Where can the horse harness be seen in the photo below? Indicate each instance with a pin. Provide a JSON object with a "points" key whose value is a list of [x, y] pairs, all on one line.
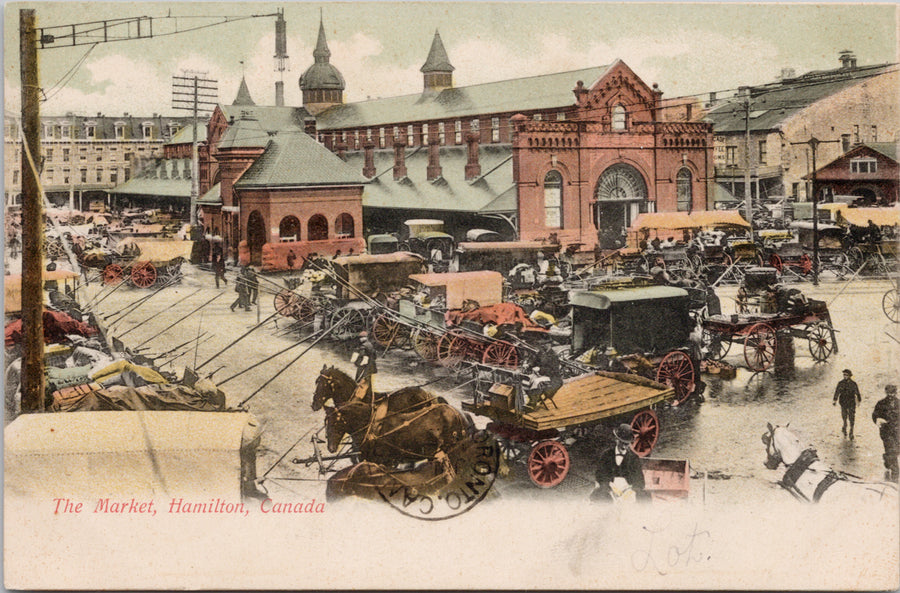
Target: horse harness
{"points": [[798, 468]]}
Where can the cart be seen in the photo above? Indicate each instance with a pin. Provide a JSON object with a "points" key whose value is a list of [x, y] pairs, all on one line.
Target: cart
{"points": [[890, 302], [145, 263], [833, 246], [872, 252]]}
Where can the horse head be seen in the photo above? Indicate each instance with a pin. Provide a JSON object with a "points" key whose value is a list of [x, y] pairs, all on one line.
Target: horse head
{"points": [[325, 385], [335, 428], [782, 446]]}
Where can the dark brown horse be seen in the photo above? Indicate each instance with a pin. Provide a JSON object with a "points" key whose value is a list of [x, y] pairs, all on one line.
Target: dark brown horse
{"points": [[368, 480], [333, 384], [400, 437]]}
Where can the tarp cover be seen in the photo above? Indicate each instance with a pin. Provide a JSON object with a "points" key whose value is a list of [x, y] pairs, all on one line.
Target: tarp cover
{"points": [[501, 314], [56, 326], [135, 375], [166, 397]]}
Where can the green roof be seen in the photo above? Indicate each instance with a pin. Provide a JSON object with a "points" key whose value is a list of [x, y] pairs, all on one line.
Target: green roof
{"points": [[254, 126], [772, 104], [888, 149], [213, 197], [548, 91], [295, 159], [494, 191], [167, 178], [437, 60], [186, 134], [243, 97]]}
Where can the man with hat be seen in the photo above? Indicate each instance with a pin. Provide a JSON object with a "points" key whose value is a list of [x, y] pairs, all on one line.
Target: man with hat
{"points": [[888, 411], [620, 464], [546, 362], [364, 358], [847, 393]]}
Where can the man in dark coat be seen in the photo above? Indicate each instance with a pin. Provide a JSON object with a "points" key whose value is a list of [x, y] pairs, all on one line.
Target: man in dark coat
{"points": [[547, 363], [365, 357], [619, 461], [847, 393], [888, 410]]}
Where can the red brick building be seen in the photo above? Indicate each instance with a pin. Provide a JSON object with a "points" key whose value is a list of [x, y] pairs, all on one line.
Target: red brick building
{"points": [[869, 171]]}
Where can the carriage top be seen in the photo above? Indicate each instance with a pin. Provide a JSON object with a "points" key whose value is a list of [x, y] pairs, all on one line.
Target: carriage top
{"points": [[484, 287]]}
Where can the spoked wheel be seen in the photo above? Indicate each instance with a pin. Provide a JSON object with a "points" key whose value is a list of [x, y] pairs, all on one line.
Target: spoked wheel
{"points": [[645, 426], [509, 449], [821, 342], [143, 275], [287, 303], [548, 464], [776, 262], [388, 331], [306, 309], [677, 371], [806, 264], [452, 349], [352, 322], [425, 344], [716, 348], [890, 303], [113, 274], [501, 354], [759, 347]]}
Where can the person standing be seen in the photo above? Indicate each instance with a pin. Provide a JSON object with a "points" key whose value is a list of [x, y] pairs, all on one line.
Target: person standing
{"points": [[847, 393], [240, 287], [620, 464], [219, 271], [291, 259], [365, 357], [888, 410], [252, 285]]}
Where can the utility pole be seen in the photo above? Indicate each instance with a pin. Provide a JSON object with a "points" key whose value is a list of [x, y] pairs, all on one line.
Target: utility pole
{"points": [[192, 92], [813, 144], [32, 221], [281, 56], [748, 202]]}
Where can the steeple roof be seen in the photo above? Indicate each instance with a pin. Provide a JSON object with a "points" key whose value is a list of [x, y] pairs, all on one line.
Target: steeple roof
{"points": [[243, 95], [437, 58], [322, 75], [322, 53]]}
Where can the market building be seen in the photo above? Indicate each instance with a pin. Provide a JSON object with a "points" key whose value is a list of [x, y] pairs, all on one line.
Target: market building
{"points": [[867, 172]]}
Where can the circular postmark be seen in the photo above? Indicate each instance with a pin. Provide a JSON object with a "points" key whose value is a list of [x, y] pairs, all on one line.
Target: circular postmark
{"points": [[468, 475]]}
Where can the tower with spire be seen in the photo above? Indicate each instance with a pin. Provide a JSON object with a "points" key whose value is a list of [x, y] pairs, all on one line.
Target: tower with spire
{"points": [[322, 85], [243, 95], [437, 68]]}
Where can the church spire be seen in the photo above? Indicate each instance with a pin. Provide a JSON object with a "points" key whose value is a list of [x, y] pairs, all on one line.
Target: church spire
{"points": [[437, 68], [243, 95], [321, 54], [322, 84]]}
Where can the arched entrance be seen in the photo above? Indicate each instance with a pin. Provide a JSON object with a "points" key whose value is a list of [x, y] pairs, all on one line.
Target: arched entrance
{"points": [[317, 228], [620, 192], [256, 237]]}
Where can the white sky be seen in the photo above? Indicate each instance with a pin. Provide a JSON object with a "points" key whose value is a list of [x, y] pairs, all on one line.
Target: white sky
{"points": [[380, 46]]}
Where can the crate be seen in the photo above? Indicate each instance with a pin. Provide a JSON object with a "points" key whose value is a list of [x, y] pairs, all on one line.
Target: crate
{"points": [[666, 479], [502, 396]]}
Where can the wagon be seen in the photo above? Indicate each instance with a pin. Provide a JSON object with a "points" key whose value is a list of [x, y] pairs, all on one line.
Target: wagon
{"points": [[890, 302], [833, 247], [149, 263], [538, 437], [871, 252]]}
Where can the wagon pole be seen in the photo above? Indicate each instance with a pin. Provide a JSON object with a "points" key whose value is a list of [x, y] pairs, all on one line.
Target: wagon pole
{"points": [[179, 346], [94, 300], [152, 316], [266, 359], [171, 325], [131, 308], [847, 283], [892, 337], [176, 357], [245, 334], [321, 336], [734, 262]]}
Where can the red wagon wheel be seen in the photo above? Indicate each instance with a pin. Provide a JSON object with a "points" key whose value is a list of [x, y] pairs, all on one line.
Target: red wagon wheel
{"points": [[306, 309], [388, 331], [677, 371], [452, 349], [425, 344], [548, 464], [645, 426], [287, 303], [805, 264], [113, 274], [501, 354], [776, 262], [759, 347], [143, 275], [821, 341]]}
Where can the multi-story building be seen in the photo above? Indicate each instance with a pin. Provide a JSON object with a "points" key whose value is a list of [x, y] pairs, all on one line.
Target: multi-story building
{"points": [[844, 107], [83, 157]]}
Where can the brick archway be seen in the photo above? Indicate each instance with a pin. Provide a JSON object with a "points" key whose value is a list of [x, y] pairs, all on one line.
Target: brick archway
{"points": [[620, 193], [256, 237]]}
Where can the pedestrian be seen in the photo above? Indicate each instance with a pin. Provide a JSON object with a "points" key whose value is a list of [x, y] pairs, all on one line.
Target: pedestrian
{"points": [[888, 410], [547, 363], [291, 259], [219, 271], [252, 285], [847, 393], [619, 470], [240, 287], [365, 357]]}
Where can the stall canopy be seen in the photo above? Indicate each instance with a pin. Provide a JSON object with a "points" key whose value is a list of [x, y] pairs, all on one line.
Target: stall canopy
{"points": [[862, 216], [662, 221], [716, 218], [484, 287], [12, 288]]}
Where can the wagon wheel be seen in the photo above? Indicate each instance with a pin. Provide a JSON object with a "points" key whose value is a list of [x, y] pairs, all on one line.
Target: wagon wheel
{"points": [[170, 272], [806, 264], [388, 331], [286, 302], [353, 321], [143, 275], [306, 309], [645, 426], [821, 341], [501, 354], [452, 349], [113, 274], [425, 344], [509, 449], [759, 346], [677, 371], [716, 348], [548, 464], [55, 248], [857, 257], [776, 262], [890, 303]]}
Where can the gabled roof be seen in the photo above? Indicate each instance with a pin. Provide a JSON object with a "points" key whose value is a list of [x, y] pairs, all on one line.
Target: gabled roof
{"points": [[213, 197], [548, 91], [186, 134], [166, 178], [888, 149], [772, 104], [295, 159], [254, 126], [243, 95], [437, 60]]}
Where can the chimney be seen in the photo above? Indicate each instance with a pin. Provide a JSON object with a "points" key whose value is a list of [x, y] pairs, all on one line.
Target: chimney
{"points": [[473, 167], [399, 159], [279, 93], [369, 167], [341, 149], [309, 126], [433, 170], [580, 92], [848, 60]]}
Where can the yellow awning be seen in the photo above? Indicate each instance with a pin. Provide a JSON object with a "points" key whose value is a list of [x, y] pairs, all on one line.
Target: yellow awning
{"points": [[716, 218], [862, 216], [120, 366], [662, 220]]}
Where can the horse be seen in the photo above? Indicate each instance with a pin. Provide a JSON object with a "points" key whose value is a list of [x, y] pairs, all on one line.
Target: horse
{"points": [[809, 479], [333, 384], [369, 480], [399, 437]]}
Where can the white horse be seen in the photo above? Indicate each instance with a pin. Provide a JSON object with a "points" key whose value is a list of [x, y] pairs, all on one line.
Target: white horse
{"points": [[811, 480]]}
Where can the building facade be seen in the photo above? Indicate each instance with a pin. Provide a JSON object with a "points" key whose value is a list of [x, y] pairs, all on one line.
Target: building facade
{"points": [[868, 171]]}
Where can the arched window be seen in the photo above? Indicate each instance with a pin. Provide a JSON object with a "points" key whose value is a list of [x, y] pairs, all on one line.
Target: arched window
{"points": [[553, 200], [685, 190], [618, 118], [343, 226], [317, 228], [289, 229]]}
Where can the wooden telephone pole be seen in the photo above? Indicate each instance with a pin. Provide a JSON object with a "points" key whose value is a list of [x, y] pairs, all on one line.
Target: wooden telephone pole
{"points": [[813, 144]]}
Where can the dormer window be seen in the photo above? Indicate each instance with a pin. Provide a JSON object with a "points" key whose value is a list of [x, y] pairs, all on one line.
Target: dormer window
{"points": [[65, 131], [863, 165], [90, 130], [147, 130], [618, 117], [120, 130]]}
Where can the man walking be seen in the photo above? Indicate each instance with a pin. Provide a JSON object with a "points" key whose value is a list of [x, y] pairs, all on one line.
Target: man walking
{"points": [[252, 285], [888, 410], [847, 393]]}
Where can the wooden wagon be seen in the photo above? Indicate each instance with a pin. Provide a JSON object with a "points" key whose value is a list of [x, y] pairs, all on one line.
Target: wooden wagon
{"points": [[145, 263]]}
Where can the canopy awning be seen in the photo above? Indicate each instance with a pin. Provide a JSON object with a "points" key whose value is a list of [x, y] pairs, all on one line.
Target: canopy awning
{"points": [[862, 216], [605, 299], [715, 218], [662, 220]]}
